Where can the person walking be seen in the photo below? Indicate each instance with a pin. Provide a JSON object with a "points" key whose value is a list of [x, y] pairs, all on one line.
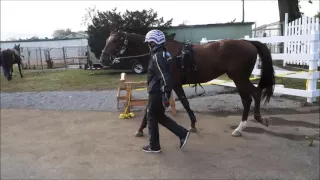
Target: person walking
{"points": [[159, 82]]}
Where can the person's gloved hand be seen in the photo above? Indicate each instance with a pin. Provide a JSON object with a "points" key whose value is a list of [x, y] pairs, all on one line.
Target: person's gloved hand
{"points": [[165, 97], [166, 100]]}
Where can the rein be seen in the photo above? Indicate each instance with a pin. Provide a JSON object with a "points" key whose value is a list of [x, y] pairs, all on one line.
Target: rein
{"points": [[117, 59], [128, 57]]}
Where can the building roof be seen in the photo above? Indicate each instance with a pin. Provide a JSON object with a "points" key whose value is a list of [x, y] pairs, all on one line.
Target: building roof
{"points": [[39, 40], [211, 25], [267, 25], [73, 34]]}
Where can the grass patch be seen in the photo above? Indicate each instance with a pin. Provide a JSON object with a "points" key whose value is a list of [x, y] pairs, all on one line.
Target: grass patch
{"points": [[65, 80], [82, 80]]}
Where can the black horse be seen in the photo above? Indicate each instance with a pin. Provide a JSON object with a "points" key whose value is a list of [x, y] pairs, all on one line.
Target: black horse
{"points": [[8, 58]]}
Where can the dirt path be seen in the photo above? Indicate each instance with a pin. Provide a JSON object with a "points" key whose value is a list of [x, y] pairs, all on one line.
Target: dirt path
{"points": [[43, 144]]}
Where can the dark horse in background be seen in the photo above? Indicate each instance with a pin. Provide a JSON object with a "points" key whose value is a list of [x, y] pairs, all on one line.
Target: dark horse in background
{"points": [[8, 58], [194, 64]]}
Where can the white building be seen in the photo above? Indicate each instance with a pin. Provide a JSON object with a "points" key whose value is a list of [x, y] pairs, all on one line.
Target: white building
{"points": [[267, 30], [35, 50]]}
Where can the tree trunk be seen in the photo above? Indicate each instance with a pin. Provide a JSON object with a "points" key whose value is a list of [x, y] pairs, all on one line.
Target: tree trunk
{"points": [[291, 7]]}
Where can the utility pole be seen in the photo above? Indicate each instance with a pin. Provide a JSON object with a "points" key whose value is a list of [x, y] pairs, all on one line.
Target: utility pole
{"points": [[243, 11]]}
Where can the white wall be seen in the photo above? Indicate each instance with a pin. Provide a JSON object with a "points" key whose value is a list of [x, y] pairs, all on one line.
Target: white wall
{"points": [[73, 48], [46, 44]]}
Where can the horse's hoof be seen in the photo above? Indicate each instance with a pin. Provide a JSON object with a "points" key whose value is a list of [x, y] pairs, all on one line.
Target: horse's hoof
{"points": [[192, 130], [264, 122], [261, 120], [138, 134], [236, 134]]}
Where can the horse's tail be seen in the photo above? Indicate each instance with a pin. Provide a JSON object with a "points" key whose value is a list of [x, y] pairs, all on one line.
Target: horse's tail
{"points": [[267, 80]]}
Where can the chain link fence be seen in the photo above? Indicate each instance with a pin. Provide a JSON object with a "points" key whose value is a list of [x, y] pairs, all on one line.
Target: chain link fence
{"points": [[53, 58]]}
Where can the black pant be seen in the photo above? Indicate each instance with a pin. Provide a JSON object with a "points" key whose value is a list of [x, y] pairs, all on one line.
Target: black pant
{"points": [[155, 115]]}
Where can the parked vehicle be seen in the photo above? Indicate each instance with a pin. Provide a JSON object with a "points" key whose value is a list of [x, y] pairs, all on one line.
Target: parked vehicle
{"points": [[138, 66]]}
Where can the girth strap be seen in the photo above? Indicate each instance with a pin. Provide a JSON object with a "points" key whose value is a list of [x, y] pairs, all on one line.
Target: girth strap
{"points": [[196, 84]]}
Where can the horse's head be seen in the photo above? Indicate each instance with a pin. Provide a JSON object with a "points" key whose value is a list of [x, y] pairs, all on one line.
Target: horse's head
{"points": [[17, 48], [115, 46]]}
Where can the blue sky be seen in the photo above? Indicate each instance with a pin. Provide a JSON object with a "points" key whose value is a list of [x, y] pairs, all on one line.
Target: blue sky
{"points": [[41, 18]]}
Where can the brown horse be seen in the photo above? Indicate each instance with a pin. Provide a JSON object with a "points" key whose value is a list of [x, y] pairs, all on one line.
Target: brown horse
{"points": [[8, 57], [194, 64]]}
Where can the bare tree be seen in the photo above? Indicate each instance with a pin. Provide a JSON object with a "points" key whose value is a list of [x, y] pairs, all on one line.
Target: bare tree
{"points": [[184, 23], [87, 19]]}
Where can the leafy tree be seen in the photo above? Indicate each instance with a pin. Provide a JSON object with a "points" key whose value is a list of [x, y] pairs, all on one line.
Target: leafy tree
{"points": [[34, 38], [103, 23], [87, 19], [59, 33]]}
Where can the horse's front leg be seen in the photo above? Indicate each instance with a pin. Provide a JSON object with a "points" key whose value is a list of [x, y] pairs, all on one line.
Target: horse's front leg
{"points": [[10, 73], [143, 125], [185, 103], [19, 66]]}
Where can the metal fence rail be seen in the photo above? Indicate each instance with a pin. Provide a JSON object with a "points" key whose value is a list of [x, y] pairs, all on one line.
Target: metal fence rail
{"points": [[50, 58]]}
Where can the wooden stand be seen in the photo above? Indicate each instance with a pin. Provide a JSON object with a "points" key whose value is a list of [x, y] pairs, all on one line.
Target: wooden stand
{"points": [[128, 99]]}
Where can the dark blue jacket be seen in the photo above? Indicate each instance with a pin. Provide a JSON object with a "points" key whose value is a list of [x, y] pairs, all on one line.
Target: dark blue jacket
{"points": [[159, 71]]}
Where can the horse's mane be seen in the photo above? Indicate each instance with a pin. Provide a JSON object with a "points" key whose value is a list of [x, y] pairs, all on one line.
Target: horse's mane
{"points": [[140, 36]]}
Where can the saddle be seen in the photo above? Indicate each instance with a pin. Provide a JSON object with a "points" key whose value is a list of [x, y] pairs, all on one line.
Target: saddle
{"points": [[188, 66]]}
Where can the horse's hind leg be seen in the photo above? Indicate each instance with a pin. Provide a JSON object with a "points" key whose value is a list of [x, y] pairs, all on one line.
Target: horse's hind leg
{"points": [[178, 89], [245, 94], [257, 100], [143, 125], [256, 95], [19, 66], [10, 72]]}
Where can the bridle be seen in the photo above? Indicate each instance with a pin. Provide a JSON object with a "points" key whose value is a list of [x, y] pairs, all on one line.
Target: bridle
{"points": [[123, 47], [122, 50], [18, 52]]}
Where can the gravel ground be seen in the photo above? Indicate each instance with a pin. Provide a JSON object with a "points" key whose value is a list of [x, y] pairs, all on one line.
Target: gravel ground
{"points": [[44, 144], [216, 99]]}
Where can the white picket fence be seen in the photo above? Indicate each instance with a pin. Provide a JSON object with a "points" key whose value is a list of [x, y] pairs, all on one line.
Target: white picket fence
{"points": [[302, 26], [310, 56]]}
